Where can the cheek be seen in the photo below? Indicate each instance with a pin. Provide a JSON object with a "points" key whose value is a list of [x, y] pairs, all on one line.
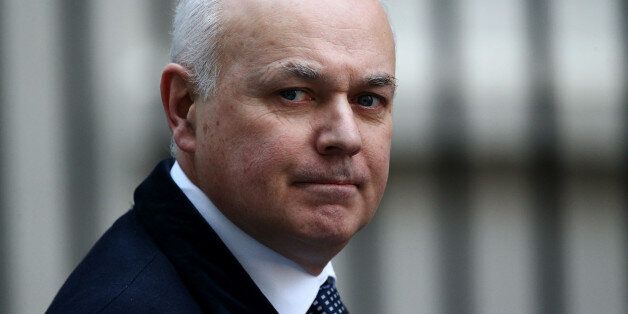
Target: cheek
{"points": [[377, 140], [378, 165], [377, 154], [256, 160], [264, 157]]}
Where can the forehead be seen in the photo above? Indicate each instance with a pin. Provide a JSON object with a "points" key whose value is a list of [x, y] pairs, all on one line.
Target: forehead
{"points": [[348, 35]]}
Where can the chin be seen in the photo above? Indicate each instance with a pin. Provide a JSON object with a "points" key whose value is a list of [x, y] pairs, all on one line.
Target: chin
{"points": [[332, 226]]}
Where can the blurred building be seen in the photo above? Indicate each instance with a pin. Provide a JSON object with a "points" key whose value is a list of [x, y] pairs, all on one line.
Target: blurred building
{"points": [[507, 192]]}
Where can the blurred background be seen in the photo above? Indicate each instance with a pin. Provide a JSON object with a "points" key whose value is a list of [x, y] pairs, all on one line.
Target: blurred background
{"points": [[507, 192]]}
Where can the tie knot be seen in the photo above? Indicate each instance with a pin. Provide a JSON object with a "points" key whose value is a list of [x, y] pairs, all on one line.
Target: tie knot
{"points": [[327, 300]]}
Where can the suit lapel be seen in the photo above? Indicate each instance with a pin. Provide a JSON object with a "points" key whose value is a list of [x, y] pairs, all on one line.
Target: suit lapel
{"points": [[208, 269]]}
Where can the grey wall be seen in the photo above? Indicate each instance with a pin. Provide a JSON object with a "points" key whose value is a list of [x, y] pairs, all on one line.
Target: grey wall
{"points": [[508, 183]]}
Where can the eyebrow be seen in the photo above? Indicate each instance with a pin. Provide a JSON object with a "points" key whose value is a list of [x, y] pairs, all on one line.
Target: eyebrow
{"points": [[312, 72], [381, 80], [301, 70], [295, 69]]}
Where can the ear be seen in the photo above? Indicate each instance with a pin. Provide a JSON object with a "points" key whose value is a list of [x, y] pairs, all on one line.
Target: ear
{"points": [[178, 102]]}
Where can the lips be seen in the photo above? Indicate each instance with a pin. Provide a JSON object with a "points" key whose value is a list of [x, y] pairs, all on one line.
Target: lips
{"points": [[332, 182], [339, 175], [328, 192], [336, 188]]}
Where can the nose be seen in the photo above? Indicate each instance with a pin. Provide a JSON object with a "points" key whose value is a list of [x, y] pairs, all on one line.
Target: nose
{"points": [[338, 132]]}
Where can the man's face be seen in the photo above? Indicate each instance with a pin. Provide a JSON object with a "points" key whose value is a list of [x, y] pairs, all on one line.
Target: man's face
{"points": [[294, 146]]}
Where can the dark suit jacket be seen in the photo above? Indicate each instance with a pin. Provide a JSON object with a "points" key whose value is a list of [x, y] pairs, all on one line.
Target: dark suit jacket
{"points": [[160, 257]]}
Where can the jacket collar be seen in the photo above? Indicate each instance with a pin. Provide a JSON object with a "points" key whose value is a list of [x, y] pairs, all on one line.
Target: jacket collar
{"points": [[207, 268]]}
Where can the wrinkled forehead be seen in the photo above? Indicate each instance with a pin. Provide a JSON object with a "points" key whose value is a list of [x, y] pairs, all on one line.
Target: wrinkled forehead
{"points": [[256, 28], [297, 5], [328, 9], [309, 18]]}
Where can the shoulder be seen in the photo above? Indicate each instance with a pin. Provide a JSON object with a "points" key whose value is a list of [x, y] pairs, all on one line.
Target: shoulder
{"points": [[124, 271]]}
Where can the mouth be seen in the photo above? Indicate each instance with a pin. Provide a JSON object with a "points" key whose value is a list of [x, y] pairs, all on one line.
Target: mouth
{"points": [[338, 178], [335, 185], [329, 191], [328, 182]]}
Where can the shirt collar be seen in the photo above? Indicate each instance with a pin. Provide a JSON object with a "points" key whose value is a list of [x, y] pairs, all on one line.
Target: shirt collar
{"points": [[288, 287]]}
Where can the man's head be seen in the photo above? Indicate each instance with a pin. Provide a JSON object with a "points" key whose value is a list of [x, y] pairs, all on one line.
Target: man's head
{"points": [[291, 141]]}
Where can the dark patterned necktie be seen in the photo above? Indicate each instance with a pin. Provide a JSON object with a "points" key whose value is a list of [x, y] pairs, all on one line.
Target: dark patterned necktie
{"points": [[327, 300]]}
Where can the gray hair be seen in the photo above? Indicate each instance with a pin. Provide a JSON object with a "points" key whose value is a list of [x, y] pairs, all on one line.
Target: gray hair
{"points": [[195, 31]]}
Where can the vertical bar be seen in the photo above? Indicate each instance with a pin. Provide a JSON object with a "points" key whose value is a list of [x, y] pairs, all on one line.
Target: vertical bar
{"points": [[545, 167], [623, 16], [80, 130], [364, 260], [162, 12], [160, 21], [451, 164], [4, 245]]}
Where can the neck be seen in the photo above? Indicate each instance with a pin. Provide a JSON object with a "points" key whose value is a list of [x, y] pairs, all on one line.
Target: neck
{"points": [[310, 258]]}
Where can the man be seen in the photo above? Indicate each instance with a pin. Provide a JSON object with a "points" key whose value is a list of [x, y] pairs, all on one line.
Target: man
{"points": [[280, 111]]}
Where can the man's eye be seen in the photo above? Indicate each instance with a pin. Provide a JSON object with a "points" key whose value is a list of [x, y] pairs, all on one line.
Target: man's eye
{"points": [[368, 101], [294, 95]]}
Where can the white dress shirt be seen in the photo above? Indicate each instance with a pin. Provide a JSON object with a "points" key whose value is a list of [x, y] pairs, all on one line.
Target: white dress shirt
{"points": [[288, 287]]}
